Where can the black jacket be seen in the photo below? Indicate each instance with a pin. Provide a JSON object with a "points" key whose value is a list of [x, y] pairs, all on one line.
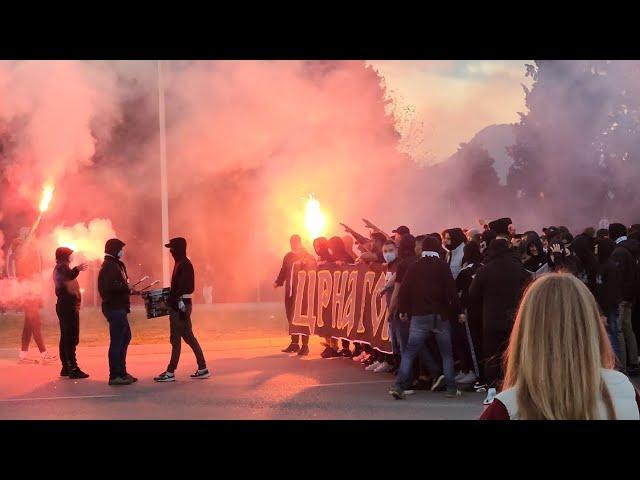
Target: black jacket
{"points": [[624, 258], [499, 285], [113, 286], [61, 275], [182, 280], [428, 288]]}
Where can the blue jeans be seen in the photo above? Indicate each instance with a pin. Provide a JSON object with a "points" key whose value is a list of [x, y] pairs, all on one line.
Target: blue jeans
{"points": [[120, 336], [614, 331], [399, 335], [421, 328]]}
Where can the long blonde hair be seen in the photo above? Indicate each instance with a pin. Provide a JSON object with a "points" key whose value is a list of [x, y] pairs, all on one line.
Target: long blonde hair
{"points": [[557, 349]]}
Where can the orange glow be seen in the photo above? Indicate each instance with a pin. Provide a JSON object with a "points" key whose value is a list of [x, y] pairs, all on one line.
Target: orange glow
{"points": [[45, 199], [314, 219]]}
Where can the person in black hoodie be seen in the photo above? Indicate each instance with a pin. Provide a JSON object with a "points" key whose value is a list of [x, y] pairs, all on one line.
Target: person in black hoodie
{"points": [[296, 255], [498, 285], [534, 256], [180, 305], [428, 295], [68, 311], [625, 259], [113, 285], [453, 240]]}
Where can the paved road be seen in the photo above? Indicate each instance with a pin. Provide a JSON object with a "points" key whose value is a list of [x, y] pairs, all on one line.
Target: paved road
{"points": [[252, 380]]}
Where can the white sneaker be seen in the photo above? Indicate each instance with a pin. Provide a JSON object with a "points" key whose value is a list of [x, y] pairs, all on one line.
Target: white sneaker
{"points": [[373, 366], [491, 394], [467, 379], [47, 359], [384, 367], [409, 392]]}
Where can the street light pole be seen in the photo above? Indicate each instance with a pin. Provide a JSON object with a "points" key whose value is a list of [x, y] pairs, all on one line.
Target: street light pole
{"points": [[166, 278]]}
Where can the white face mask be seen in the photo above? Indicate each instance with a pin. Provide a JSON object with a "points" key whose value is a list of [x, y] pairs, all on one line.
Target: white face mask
{"points": [[389, 256], [121, 253]]}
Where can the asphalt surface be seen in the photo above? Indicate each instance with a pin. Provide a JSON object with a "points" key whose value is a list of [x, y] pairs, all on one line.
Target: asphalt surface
{"points": [[251, 380]]}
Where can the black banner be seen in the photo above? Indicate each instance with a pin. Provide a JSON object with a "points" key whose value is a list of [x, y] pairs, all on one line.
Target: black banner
{"points": [[339, 301]]}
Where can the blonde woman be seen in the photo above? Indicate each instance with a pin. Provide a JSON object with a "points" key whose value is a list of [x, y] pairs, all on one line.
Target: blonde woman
{"points": [[559, 363]]}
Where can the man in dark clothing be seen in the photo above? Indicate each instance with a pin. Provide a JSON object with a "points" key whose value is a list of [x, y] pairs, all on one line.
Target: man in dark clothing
{"points": [[113, 285], [498, 285], [68, 311], [297, 254], [182, 287], [428, 294], [625, 259]]}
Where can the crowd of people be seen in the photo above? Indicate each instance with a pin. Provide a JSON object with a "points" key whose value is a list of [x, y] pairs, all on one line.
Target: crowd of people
{"points": [[453, 299]]}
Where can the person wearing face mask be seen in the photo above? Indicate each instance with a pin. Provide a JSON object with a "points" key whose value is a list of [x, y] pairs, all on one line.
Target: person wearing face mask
{"points": [[453, 240], [182, 287], [297, 254], [68, 311], [113, 285]]}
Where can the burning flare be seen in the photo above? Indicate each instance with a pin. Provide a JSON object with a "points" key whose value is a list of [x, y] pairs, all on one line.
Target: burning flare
{"points": [[47, 195], [313, 218]]}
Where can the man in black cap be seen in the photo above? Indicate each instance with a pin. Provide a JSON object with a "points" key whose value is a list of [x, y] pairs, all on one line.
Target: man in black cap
{"points": [[182, 287], [68, 310], [113, 285]]}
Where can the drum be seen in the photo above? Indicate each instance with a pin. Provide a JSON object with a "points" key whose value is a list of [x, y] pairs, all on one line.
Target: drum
{"points": [[155, 302]]}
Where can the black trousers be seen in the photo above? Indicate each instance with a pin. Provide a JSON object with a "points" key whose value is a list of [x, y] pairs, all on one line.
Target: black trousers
{"points": [[494, 344], [181, 329], [69, 319]]}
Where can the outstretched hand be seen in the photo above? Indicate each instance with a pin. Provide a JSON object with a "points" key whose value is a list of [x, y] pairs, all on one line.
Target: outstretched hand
{"points": [[82, 267]]}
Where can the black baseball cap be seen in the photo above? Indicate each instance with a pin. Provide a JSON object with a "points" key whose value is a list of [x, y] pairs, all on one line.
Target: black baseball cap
{"points": [[177, 243], [401, 230]]}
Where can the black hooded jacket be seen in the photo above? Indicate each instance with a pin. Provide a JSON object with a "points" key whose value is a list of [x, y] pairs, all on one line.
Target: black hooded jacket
{"points": [[182, 278], [533, 264], [607, 288], [499, 285], [113, 279], [625, 260]]}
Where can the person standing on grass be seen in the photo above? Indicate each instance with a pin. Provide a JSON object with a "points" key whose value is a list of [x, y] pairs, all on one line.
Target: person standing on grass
{"points": [[180, 306], [559, 363], [113, 285], [68, 311]]}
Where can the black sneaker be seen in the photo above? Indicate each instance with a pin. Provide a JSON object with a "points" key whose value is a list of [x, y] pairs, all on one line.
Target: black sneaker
{"points": [[204, 373], [120, 381], [64, 372], [304, 350], [329, 352], [77, 373], [165, 377], [345, 352], [130, 377], [292, 348], [396, 393]]}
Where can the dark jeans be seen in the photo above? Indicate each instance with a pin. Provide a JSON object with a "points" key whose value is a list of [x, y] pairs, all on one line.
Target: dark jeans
{"points": [[494, 344], [295, 338], [421, 328], [180, 327], [399, 335], [32, 327], [120, 336], [614, 332], [69, 318]]}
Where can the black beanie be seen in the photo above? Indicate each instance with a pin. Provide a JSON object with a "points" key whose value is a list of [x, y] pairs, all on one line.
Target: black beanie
{"points": [[617, 230], [63, 254], [501, 226], [431, 244], [113, 246]]}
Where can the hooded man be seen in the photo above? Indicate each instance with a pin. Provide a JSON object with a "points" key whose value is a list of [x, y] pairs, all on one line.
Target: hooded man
{"points": [[453, 240], [24, 263], [68, 311], [113, 285], [298, 254], [180, 305], [625, 260], [535, 258], [503, 227], [498, 285]]}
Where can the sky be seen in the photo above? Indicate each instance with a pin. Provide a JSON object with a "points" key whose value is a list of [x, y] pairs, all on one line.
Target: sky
{"points": [[445, 102]]}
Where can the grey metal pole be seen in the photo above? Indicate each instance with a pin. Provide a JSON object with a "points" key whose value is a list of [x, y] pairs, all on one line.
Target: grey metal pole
{"points": [[166, 277]]}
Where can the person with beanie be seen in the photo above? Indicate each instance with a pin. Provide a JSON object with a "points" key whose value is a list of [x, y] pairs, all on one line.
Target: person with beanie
{"points": [[68, 311], [113, 285], [180, 306]]}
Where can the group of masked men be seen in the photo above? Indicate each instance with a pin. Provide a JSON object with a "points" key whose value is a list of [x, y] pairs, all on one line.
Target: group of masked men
{"points": [[115, 291], [452, 296]]}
